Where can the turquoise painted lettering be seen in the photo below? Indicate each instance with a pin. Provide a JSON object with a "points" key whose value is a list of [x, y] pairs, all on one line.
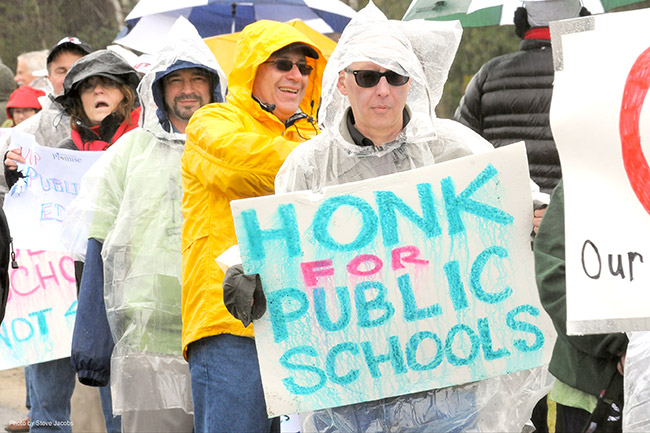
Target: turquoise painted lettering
{"points": [[486, 341], [294, 360], [45, 184], [323, 217], [411, 310], [285, 305], [474, 341], [330, 364], [456, 288], [518, 325], [344, 308], [4, 335], [27, 329], [394, 356], [379, 303], [477, 270], [412, 351], [389, 204], [72, 310], [41, 320], [455, 205], [57, 184], [30, 175], [52, 212], [288, 232]]}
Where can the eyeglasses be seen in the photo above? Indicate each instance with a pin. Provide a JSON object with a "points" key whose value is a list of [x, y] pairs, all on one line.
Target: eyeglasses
{"points": [[367, 78], [287, 65], [96, 80]]}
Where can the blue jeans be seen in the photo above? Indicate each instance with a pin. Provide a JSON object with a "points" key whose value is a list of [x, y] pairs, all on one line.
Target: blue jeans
{"points": [[227, 387], [51, 386], [113, 422]]}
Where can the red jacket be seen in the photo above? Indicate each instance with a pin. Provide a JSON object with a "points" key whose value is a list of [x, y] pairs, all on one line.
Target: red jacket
{"points": [[102, 140]]}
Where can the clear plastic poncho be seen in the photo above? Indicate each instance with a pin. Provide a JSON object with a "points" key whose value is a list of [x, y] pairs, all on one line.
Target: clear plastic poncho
{"points": [[131, 201], [636, 410], [424, 50]]}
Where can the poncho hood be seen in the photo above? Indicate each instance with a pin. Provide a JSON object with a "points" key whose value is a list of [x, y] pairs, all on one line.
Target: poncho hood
{"points": [[258, 41], [183, 49]]}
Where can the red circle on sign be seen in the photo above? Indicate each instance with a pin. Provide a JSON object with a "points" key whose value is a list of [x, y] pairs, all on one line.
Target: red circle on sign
{"points": [[636, 165]]}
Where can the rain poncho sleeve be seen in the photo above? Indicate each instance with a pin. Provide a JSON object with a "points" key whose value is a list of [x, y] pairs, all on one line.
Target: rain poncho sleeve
{"points": [[92, 342], [636, 412], [136, 214], [424, 51]]}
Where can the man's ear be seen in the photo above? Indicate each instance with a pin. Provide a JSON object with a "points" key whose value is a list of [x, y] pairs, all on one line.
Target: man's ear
{"points": [[340, 84]]}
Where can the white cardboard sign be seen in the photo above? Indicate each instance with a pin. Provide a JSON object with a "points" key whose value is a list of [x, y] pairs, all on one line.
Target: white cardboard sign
{"points": [[394, 285], [602, 132]]}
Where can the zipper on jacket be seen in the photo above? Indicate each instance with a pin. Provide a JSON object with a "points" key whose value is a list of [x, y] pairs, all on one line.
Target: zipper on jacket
{"points": [[14, 263]]}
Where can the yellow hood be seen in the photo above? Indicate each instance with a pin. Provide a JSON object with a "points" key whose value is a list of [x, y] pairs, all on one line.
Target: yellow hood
{"points": [[256, 44]]}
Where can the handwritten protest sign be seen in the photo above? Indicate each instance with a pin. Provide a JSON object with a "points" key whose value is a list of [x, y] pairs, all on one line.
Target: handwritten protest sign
{"points": [[36, 210], [42, 300], [601, 131], [40, 310], [393, 285]]}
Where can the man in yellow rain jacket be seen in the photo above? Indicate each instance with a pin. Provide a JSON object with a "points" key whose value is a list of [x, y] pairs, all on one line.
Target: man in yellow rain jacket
{"points": [[233, 151]]}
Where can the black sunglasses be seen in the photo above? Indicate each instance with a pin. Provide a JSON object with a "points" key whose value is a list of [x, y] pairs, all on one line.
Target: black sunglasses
{"points": [[367, 78], [287, 65]]}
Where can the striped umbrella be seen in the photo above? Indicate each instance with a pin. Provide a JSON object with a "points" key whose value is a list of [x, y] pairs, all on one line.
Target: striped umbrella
{"points": [[150, 20], [479, 13]]}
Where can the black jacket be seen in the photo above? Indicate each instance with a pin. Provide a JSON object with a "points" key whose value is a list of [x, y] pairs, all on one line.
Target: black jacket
{"points": [[5, 241], [509, 99]]}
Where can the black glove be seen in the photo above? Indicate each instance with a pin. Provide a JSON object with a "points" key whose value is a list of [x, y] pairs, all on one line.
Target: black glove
{"points": [[243, 295], [11, 176]]}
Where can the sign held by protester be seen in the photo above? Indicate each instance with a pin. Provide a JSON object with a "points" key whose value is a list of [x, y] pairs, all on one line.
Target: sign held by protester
{"points": [[41, 309], [35, 206], [397, 284], [600, 128]]}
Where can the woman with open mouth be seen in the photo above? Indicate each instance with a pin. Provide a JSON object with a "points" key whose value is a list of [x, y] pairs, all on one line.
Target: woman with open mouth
{"points": [[99, 93]]}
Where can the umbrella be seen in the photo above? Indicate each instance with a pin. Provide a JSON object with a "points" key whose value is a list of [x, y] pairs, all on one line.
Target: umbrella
{"points": [[223, 46], [150, 20], [478, 13]]}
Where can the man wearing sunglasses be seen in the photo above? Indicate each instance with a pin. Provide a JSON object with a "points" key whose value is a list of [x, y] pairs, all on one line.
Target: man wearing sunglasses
{"points": [[233, 151], [378, 118]]}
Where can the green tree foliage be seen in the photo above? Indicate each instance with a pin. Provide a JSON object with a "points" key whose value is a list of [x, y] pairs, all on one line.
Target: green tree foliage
{"points": [[477, 46], [29, 25]]}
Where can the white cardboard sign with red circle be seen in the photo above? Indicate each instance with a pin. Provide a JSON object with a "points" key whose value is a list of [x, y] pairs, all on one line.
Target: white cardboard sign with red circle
{"points": [[602, 130]]}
